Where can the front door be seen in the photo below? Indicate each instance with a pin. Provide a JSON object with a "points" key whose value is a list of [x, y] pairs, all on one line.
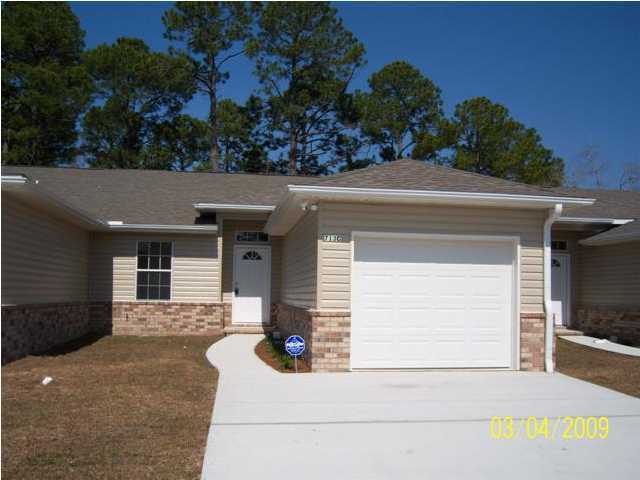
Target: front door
{"points": [[560, 288], [251, 284]]}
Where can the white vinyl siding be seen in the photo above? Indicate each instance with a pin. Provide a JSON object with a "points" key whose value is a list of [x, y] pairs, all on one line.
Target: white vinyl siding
{"points": [[195, 269], [299, 263], [605, 275], [341, 219], [609, 275], [44, 260]]}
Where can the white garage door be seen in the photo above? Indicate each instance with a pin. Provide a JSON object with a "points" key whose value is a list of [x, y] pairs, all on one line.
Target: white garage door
{"points": [[425, 303]]}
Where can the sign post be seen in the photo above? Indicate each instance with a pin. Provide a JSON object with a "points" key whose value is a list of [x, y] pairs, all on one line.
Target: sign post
{"points": [[294, 346]]}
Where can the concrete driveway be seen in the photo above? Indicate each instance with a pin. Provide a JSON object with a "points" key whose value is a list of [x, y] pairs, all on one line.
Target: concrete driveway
{"points": [[422, 425]]}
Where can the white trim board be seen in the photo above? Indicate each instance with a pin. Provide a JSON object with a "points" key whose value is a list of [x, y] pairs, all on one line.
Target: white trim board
{"points": [[613, 221], [230, 207], [141, 228], [442, 194]]}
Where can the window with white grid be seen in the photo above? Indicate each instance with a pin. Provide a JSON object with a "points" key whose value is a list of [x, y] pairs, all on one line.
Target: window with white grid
{"points": [[153, 281]]}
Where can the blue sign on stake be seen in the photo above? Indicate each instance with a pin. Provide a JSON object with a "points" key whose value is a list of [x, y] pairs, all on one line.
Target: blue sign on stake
{"points": [[294, 345]]}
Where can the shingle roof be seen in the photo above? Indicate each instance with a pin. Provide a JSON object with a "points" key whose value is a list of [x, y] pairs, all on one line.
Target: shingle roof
{"points": [[609, 203], [167, 198], [154, 196], [625, 233], [411, 174]]}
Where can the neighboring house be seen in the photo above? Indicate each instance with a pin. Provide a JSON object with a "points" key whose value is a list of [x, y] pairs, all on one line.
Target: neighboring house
{"points": [[402, 265], [596, 265]]}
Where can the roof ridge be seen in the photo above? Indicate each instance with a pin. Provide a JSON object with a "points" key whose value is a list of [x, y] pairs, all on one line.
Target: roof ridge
{"points": [[102, 169], [482, 175], [434, 166]]}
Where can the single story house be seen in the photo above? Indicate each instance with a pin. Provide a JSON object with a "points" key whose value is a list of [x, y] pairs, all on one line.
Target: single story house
{"points": [[401, 265]]}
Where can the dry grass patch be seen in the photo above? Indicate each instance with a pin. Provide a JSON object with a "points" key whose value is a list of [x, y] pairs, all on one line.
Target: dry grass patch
{"points": [[608, 369], [120, 407]]}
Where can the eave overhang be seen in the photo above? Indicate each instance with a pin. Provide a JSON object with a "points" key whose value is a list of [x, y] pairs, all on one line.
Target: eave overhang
{"points": [[232, 208], [612, 237], [595, 220], [298, 197], [115, 226], [26, 189]]}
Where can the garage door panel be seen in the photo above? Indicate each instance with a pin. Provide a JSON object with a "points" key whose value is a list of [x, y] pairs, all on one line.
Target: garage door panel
{"points": [[441, 304]]}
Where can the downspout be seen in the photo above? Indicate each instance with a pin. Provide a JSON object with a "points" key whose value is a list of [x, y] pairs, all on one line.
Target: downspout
{"points": [[554, 214]]}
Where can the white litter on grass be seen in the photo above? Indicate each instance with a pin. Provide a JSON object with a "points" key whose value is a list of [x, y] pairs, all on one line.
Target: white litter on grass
{"points": [[601, 340], [47, 380]]}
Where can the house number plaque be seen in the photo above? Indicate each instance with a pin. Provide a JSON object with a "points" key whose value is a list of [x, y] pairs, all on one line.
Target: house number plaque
{"points": [[332, 237]]}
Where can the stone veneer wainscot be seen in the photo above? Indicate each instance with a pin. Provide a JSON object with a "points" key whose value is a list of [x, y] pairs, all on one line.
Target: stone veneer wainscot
{"points": [[327, 334], [328, 337]]}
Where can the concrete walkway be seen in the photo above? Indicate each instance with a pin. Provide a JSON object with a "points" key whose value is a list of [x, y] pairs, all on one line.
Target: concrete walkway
{"points": [[372, 425], [603, 345]]}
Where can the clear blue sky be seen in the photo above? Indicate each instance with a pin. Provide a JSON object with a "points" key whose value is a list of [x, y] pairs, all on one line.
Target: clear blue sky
{"points": [[571, 70]]}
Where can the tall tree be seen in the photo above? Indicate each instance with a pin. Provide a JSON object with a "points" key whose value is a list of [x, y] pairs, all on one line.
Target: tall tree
{"points": [[136, 90], [402, 113], [213, 33], [305, 60], [235, 133], [346, 153], [589, 167], [180, 143], [44, 86], [630, 176], [491, 142], [244, 139]]}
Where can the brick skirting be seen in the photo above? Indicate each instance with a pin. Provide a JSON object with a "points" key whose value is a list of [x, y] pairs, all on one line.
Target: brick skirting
{"points": [[296, 321], [620, 322], [326, 333], [328, 337], [331, 340], [532, 326], [32, 329], [158, 318]]}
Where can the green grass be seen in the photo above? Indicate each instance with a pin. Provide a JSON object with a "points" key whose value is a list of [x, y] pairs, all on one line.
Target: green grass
{"points": [[276, 348]]}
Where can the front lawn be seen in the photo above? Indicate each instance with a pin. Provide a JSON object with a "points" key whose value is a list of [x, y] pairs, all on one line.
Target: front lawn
{"points": [[612, 370], [120, 407]]}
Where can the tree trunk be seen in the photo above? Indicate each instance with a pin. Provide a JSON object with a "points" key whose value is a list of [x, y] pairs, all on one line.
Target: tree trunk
{"points": [[293, 153], [214, 153], [399, 147]]}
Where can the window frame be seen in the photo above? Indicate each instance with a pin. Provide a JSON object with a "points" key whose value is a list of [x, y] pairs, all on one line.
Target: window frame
{"points": [[558, 243], [252, 242], [170, 270]]}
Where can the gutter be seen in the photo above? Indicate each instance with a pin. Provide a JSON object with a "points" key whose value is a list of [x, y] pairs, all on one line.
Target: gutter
{"points": [[554, 215], [437, 194], [230, 207], [141, 227], [14, 179], [612, 221]]}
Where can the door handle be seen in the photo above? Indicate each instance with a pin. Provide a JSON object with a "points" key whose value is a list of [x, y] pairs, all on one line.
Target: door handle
{"points": [[236, 290]]}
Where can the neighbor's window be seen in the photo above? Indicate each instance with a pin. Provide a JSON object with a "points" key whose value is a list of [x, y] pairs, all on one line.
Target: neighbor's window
{"points": [[251, 237], [154, 271]]}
